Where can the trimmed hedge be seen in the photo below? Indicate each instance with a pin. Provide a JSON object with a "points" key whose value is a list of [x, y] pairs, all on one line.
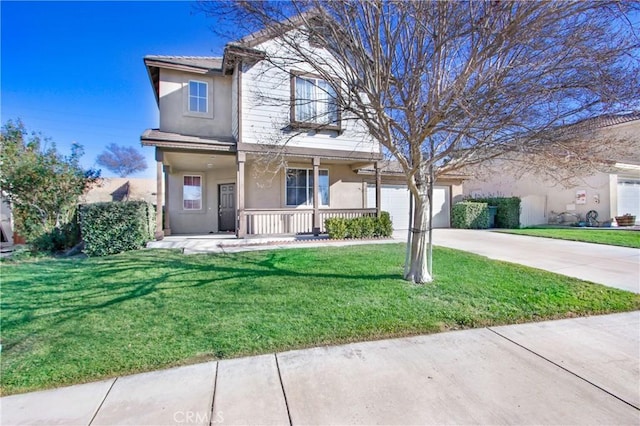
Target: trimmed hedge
{"points": [[508, 214], [360, 227], [114, 227], [470, 215]]}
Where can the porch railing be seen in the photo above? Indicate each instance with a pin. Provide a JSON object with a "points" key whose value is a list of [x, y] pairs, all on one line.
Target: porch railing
{"points": [[292, 221]]}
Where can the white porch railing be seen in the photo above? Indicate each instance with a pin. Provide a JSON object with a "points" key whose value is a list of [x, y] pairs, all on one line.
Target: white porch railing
{"points": [[293, 221]]}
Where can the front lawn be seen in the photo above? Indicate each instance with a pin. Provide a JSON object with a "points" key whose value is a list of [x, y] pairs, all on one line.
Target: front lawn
{"points": [[623, 238], [71, 321]]}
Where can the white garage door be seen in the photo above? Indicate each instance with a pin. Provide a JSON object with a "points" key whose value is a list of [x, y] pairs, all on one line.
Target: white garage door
{"points": [[395, 200], [628, 197]]}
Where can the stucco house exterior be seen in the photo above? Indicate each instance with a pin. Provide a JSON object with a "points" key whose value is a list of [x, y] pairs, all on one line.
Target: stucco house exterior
{"points": [[250, 147], [610, 194]]}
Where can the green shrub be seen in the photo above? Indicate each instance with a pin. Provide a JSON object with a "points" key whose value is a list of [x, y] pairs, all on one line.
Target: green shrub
{"points": [[353, 228], [336, 228], [58, 239], [470, 215], [361, 227], [508, 214], [114, 227], [383, 225], [367, 226]]}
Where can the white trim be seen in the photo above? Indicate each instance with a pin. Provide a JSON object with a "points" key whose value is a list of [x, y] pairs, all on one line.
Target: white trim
{"points": [[201, 193], [316, 101], [186, 88], [309, 202], [625, 166]]}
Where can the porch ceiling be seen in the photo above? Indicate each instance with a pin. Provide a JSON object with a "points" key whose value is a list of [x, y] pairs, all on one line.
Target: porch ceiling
{"points": [[300, 159], [198, 162]]}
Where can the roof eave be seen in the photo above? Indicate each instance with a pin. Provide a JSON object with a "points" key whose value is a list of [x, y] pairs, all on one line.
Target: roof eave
{"points": [[151, 70], [234, 53], [181, 67]]}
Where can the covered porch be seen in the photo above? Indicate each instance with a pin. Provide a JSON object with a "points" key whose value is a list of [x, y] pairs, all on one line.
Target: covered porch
{"points": [[299, 195], [230, 193]]}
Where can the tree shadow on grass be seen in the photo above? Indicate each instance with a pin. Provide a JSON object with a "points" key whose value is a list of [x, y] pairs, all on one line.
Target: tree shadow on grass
{"points": [[63, 291]]}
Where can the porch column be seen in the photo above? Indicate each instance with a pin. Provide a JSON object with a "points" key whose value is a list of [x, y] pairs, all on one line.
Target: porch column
{"points": [[159, 234], [167, 218], [241, 228], [316, 201], [378, 189]]}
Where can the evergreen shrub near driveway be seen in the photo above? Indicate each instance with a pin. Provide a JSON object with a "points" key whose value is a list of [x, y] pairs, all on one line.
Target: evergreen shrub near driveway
{"points": [[508, 214], [340, 228], [470, 215], [115, 227]]}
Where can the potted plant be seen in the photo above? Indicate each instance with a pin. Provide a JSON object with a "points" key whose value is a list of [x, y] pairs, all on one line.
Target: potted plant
{"points": [[626, 220]]}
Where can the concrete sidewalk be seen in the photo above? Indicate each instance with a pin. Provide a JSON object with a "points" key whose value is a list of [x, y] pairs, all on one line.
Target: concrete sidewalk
{"points": [[576, 371]]}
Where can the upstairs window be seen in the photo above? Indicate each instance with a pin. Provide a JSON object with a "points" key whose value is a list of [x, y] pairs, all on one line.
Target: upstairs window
{"points": [[198, 99], [192, 193], [313, 102], [300, 187]]}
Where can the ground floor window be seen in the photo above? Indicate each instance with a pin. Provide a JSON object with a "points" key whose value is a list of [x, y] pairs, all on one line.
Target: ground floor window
{"points": [[192, 193], [300, 187]]}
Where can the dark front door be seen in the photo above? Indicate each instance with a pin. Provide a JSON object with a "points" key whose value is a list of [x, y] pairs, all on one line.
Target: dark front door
{"points": [[227, 207]]}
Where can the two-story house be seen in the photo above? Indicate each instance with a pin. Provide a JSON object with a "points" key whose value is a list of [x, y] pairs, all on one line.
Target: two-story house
{"points": [[252, 147]]}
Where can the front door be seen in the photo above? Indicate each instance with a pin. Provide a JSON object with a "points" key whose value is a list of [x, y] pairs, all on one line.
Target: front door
{"points": [[227, 207]]}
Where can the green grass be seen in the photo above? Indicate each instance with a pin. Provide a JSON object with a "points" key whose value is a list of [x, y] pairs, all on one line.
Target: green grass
{"points": [[77, 320], [623, 238]]}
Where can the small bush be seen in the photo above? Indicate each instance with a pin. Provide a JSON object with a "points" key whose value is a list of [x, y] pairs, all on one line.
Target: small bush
{"points": [[58, 239], [470, 215], [384, 227], [336, 228], [353, 228], [361, 227], [110, 228], [508, 214], [367, 226]]}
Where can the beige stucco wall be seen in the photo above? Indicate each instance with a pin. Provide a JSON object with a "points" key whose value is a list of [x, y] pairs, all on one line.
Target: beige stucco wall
{"points": [[200, 221], [546, 195], [174, 114], [556, 197], [267, 189]]}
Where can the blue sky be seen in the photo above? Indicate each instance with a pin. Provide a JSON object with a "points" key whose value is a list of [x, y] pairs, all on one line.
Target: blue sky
{"points": [[74, 70]]}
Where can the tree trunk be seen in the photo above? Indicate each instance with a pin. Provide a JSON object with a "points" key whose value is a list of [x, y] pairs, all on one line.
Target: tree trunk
{"points": [[418, 271]]}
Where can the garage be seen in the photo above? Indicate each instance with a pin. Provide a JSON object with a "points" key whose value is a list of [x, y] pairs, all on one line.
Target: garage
{"points": [[628, 197], [395, 200]]}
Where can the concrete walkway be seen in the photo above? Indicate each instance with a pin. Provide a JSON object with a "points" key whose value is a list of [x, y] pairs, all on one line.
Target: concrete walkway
{"points": [[613, 266], [576, 371]]}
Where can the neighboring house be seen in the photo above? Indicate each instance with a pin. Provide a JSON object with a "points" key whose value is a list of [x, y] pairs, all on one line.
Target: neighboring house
{"points": [[248, 147], [122, 189], [107, 189], [609, 194], [6, 224]]}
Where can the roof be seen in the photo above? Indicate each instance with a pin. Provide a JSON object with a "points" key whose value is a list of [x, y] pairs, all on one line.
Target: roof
{"points": [[393, 168], [607, 120], [275, 29], [198, 63], [194, 64], [157, 138]]}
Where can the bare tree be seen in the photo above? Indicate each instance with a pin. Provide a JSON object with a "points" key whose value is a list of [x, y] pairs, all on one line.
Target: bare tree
{"points": [[122, 160], [448, 85]]}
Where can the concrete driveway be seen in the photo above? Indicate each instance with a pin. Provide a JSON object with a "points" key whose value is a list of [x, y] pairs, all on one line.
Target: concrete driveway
{"points": [[617, 267], [576, 371]]}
